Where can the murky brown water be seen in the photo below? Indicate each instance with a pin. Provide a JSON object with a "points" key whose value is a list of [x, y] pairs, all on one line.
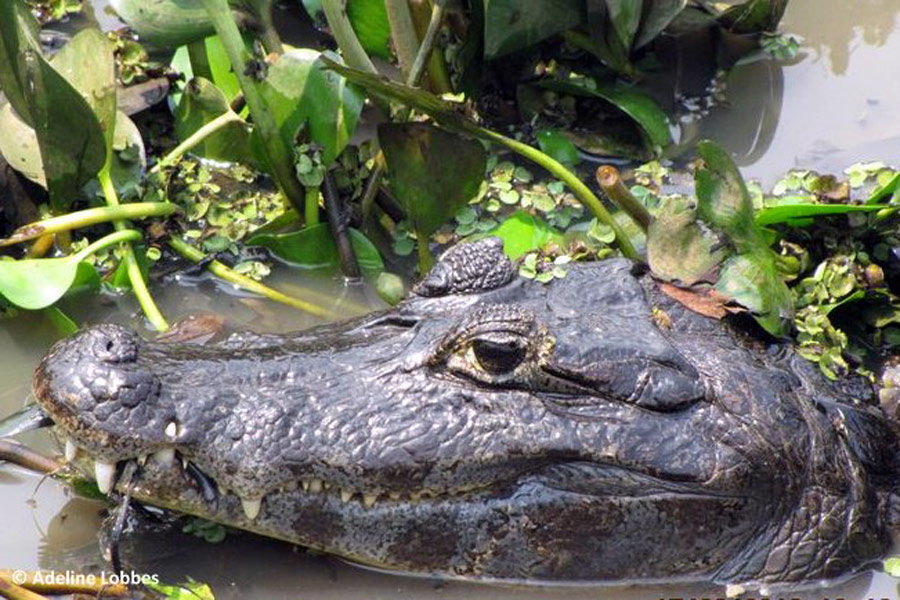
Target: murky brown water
{"points": [[837, 105]]}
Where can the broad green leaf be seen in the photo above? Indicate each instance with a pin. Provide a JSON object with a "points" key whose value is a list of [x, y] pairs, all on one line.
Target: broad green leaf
{"points": [[432, 172], [192, 590], [217, 64], [723, 201], [302, 93], [788, 212], [70, 137], [641, 108], [314, 248], [511, 25], [200, 103], [624, 17], [522, 232], [885, 191], [165, 23], [754, 16], [19, 146], [18, 33], [753, 281], [39, 282], [657, 15], [86, 62], [679, 248], [554, 143], [370, 22]]}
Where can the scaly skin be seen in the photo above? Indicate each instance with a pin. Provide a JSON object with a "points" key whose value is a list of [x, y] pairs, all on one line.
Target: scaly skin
{"points": [[493, 427]]}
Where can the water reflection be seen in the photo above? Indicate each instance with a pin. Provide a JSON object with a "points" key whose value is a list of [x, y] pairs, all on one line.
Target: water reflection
{"points": [[836, 28]]}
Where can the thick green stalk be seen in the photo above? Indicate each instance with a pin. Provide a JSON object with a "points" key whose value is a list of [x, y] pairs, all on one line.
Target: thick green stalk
{"points": [[90, 216], [581, 191], [195, 138], [138, 284], [311, 206], [123, 235], [423, 251], [279, 154], [437, 74], [611, 183], [354, 54], [223, 272], [403, 32]]}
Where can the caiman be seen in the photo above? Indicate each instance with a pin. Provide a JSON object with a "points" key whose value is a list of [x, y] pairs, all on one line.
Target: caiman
{"points": [[491, 427]]}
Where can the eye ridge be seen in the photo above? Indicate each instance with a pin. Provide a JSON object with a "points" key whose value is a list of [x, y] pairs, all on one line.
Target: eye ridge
{"points": [[498, 356]]}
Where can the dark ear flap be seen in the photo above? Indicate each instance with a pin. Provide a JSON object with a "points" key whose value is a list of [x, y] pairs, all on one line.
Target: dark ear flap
{"points": [[468, 268]]}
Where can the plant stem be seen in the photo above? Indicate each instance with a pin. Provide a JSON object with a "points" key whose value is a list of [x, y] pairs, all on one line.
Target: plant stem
{"points": [[611, 183], [103, 588], [352, 51], [279, 154], [426, 53], [337, 222], [90, 216], [581, 191], [423, 251], [19, 454], [195, 138], [123, 235], [403, 31], [13, 592], [223, 272], [138, 284], [199, 59], [311, 206]]}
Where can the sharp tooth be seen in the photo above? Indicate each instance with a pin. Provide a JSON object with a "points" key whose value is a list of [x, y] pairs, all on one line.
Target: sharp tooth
{"points": [[369, 499], [315, 485], [71, 451], [415, 496], [346, 495], [326, 485], [251, 507], [394, 495], [142, 459], [172, 429], [164, 457], [304, 483], [104, 472]]}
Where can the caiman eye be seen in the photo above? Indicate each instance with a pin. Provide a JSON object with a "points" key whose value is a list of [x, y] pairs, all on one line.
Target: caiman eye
{"points": [[498, 356]]}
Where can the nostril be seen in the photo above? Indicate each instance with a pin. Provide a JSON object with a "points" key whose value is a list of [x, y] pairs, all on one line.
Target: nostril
{"points": [[114, 344]]}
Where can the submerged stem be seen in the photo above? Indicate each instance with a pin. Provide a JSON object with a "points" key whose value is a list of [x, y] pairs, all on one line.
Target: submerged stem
{"points": [[223, 272]]}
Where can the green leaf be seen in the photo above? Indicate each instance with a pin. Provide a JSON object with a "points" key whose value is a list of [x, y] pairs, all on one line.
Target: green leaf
{"points": [[314, 248], [723, 201], [432, 172], [301, 92], [753, 16], [165, 23], [657, 16], [39, 282], [641, 108], [554, 143], [511, 25], [885, 191], [200, 103], [788, 212], [216, 63], [18, 33], [624, 17], [522, 233], [892, 566], [678, 248], [19, 146], [753, 281], [192, 590], [370, 23]]}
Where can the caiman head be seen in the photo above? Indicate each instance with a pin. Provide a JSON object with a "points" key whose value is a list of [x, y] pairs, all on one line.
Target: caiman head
{"points": [[586, 430]]}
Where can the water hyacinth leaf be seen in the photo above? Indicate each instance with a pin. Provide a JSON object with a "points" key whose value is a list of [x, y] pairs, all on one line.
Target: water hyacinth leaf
{"points": [[300, 91], [680, 249], [70, 137], [555, 143], [370, 23], [432, 172], [511, 25], [129, 158], [39, 282], [87, 63], [522, 233], [215, 62], [314, 248], [19, 146], [18, 33], [784, 213], [201, 102], [657, 15], [165, 23], [723, 201], [641, 108], [752, 280], [753, 16], [624, 17]]}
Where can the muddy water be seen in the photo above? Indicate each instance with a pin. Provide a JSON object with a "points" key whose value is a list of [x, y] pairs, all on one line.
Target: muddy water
{"points": [[838, 104]]}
